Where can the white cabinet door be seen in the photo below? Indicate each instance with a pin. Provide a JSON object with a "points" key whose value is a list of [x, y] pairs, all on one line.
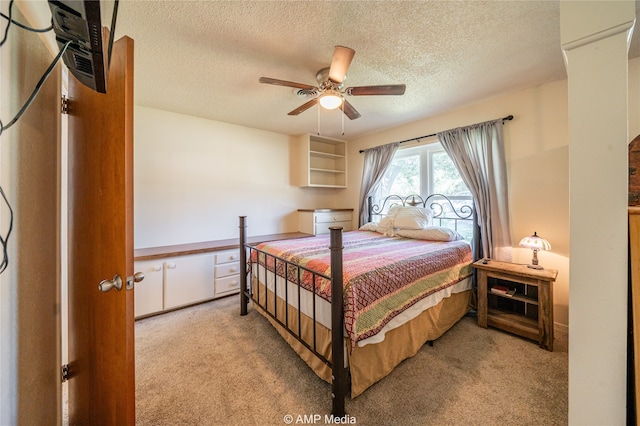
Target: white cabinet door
{"points": [[148, 292], [188, 279]]}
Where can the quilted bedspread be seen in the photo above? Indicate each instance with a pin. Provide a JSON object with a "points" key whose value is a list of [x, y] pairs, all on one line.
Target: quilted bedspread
{"points": [[382, 275]]}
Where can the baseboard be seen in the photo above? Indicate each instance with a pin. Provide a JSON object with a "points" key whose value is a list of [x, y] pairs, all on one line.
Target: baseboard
{"points": [[560, 337]]}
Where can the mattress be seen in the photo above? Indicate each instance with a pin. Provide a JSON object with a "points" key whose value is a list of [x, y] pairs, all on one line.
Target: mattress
{"points": [[387, 280], [323, 307]]}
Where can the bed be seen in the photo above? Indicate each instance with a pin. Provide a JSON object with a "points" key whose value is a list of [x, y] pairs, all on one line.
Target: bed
{"points": [[354, 305]]}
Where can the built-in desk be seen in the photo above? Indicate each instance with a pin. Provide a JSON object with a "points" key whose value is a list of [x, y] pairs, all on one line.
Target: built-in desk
{"points": [[181, 275], [209, 246]]}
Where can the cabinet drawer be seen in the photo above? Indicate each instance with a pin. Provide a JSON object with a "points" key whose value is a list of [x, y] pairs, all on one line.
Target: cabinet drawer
{"points": [[227, 285], [331, 217], [227, 256], [227, 269], [323, 228]]}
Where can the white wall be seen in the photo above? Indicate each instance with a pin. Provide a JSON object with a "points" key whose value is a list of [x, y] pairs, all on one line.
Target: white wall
{"points": [[30, 389], [194, 177], [594, 42]]}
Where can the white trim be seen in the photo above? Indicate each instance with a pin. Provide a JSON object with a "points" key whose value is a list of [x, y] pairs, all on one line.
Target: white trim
{"points": [[591, 38]]}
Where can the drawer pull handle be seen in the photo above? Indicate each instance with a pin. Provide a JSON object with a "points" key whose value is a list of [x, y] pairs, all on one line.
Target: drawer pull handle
{"points": [[156, 268], [233, 270], [232, 257], [171, 265]]}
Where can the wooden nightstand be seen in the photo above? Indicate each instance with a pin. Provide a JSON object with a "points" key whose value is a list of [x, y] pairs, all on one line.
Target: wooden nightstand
{"points": [[529, 311]]}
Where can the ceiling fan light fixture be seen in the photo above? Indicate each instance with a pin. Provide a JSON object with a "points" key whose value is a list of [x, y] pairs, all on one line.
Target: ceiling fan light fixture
{"points": [[330, 100]]}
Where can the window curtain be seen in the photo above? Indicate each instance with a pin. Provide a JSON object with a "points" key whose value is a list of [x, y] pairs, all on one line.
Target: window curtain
{"points": [[376, 161], [478, 153]]}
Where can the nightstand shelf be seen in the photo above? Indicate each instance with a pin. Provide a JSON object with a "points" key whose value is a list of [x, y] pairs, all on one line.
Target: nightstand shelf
{"points": [[528, 312], [513, 323], [525, 299]]}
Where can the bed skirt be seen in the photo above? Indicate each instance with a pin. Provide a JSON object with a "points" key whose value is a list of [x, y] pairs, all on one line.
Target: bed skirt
{"points": [[370, 363]]}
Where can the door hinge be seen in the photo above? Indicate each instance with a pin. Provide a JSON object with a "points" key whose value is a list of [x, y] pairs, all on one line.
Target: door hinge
{"points": [[64, 373], [64, 105]]}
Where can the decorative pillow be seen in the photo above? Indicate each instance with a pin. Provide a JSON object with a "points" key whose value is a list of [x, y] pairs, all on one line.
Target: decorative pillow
{"points": [[432, 233], [386, 230], [409, 217], [386, 221], [371, 226]]}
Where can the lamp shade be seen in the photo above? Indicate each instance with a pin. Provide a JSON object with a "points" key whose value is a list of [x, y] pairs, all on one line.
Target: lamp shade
{"points": [[331, 100], [535, 242]]}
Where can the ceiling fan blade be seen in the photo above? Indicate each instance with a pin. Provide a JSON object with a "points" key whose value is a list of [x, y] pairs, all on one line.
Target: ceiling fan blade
{"points": [[389, 89], [304, 107], [350, 111], [277, 82], [340, 62]]}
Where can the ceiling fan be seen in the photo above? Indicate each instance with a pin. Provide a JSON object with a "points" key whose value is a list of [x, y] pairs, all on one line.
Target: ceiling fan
{"points": [[330, 92]]}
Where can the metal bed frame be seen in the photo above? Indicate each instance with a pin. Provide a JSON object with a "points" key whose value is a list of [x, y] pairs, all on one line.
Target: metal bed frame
{"points": [[339, 374]]}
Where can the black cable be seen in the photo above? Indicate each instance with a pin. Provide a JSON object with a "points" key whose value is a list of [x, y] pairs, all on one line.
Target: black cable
{"points": [[4, 263], [23, 26], [4, 241], [36, 90], [6, 30]]}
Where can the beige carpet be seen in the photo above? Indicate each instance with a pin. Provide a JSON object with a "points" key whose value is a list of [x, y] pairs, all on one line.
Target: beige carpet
{"points": [[207, 365]]}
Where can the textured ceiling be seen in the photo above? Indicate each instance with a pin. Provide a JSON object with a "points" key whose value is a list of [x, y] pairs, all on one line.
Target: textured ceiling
{"points": [[204, 58]]}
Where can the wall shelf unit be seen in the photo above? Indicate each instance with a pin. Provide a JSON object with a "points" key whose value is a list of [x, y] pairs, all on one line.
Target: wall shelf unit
{"points": [[323, 162]]}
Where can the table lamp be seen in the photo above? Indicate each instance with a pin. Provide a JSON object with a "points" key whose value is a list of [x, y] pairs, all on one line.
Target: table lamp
{"points": [[535, 243]]}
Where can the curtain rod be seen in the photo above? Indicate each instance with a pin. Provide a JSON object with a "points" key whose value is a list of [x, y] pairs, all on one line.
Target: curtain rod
{"points": [[507, 118]]}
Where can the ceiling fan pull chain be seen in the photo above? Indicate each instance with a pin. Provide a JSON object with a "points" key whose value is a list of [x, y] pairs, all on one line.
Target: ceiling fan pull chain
{"points": [[318, 120], [342, 115]]}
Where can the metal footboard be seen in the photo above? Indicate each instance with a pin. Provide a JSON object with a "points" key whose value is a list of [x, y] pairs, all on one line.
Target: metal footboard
{"points": [[293, 273]]}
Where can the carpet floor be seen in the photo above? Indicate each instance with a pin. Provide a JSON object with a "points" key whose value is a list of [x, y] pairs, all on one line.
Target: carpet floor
{"points": [[207, 365]]}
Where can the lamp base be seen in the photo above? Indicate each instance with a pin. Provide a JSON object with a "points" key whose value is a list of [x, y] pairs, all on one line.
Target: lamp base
{"points": [[535, 267]]}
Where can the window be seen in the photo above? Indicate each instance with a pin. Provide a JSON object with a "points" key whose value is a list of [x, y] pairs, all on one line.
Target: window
{"points": [[426, 170]]}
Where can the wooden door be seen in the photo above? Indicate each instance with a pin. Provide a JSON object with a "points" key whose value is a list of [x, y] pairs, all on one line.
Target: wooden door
{"points": [[101, 324]]}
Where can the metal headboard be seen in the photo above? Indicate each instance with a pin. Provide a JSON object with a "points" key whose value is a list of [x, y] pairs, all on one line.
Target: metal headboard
{"points": [[445, 212], [441, 206]]}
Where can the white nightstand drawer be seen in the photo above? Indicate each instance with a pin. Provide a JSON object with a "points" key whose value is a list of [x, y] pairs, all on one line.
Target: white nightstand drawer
{"points": [[227, 269], [227, 256], [318, 221], [330, 217], [227, 285], [323, 228]]}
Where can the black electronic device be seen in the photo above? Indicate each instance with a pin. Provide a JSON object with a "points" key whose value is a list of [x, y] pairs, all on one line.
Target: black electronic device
{"points": [[78, 25]]}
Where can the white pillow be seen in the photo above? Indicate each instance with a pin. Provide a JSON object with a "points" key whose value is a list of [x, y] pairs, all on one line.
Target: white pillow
{"points": [[432, 233], [386, 230], [387, 221], [371, 226], [409, 217]]}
